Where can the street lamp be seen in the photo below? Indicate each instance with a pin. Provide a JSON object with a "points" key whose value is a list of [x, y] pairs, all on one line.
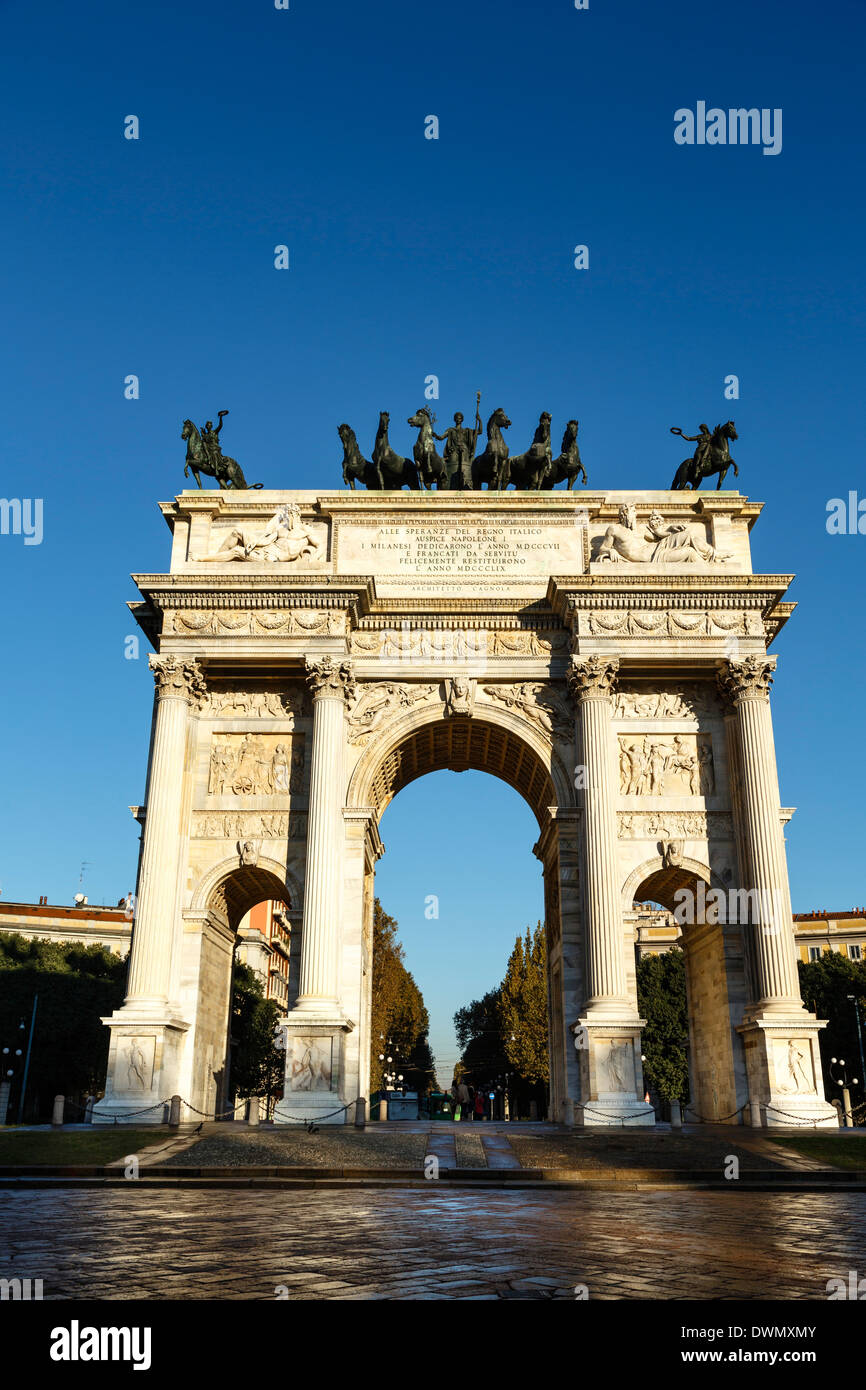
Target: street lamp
{"points": [[844, 1083], [855, 1001], [9, 1064]]}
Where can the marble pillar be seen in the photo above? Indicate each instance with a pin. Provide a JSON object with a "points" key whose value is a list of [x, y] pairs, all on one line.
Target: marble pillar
{"points": [[783, 1058], [607, 1035]]}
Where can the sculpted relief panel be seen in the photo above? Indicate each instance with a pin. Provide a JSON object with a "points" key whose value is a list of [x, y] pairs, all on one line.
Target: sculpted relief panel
{"points": [[257, 622], [681, 701], [244, 825], [652, 765], [683, 623], [256, 765], [250, 704]]}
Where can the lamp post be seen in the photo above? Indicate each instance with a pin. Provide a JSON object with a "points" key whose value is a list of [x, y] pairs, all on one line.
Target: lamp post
{"points": [[846, 1095], [9, 1062], [855, 1001]]}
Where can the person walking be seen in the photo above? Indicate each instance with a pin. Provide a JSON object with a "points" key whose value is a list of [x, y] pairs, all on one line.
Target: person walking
{"points": [[479, 1104]]}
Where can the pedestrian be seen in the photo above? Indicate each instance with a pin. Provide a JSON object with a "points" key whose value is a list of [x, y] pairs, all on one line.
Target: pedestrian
{"points": [[479, 1104], [463, 1100], [471, 1108]]}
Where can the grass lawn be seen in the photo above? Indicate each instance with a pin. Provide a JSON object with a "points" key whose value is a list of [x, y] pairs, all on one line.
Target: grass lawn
{"points": [[80, 1146], [842, 1151]]}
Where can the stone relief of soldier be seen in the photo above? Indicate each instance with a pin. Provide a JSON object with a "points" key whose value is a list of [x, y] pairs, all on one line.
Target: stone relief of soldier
{"points": [[710, 457], [204, 455]]}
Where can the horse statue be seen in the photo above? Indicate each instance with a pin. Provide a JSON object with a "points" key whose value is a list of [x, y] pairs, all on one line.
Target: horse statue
{"points": [[491, 467], [227, 471], [394, 470], [430, 464], [568, 465], [711, 456], [527, 471], [355, 466]]}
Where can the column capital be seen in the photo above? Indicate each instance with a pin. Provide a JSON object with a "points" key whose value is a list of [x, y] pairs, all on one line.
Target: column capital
{"points": [[330, 679], [592, 677], [177, 678], [749, 679]]}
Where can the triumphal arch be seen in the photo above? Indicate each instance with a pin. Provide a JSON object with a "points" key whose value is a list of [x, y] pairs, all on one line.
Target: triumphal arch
{"points": [[606, 656]]}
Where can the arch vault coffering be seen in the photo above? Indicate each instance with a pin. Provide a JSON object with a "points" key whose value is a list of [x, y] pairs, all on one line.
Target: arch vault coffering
{"points": [[456, 744]]}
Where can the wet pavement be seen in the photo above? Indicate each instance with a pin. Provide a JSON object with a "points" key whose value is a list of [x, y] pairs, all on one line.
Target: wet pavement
{"points": [[408, 1244]]}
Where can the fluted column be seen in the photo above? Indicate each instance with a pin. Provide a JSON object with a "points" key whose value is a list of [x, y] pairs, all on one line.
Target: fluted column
{"points": [[178, 684], [331, 682], [592, 680], [746, 684]]}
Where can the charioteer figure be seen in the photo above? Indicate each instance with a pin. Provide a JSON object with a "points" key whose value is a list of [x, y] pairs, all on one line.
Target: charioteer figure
{"points": [[459, 448]]}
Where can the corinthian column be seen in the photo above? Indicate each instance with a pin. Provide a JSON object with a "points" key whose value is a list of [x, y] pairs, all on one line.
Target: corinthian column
{"points": [[746, 685], [592, 682], [331, 683], [150, 987]]}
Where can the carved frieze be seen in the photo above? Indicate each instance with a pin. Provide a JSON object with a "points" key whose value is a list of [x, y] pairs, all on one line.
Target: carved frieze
{"points": [[254, 622], [653, 765], [637, 622], [284, 539], [256, 764], [684, 701], [267, 703], [674, 825], [242, 826]]}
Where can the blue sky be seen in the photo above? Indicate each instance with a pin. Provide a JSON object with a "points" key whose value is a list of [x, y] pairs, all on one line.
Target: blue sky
{"points": [[409, 257]]}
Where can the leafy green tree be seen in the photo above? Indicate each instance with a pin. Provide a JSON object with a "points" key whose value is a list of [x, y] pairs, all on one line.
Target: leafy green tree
{"points": [[258, 1064], [825, 985], [77, 986], [478, 1026], [523, 1007], [398, 1012], [661, 994]]}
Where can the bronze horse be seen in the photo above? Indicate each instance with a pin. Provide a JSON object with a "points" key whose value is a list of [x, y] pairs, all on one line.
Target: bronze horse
{"points": [[528, 471], [394, 470], [227, 471], [568, 465], [355, 467], [715, 458], [491, 467], [430, 464]]}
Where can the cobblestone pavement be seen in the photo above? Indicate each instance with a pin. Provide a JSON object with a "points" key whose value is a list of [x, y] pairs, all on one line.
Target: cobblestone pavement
{"points": [[374, 1244]]}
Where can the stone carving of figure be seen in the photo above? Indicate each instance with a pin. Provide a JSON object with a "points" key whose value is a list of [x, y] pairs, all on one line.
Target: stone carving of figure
{"points": [[459, 695], [136, 1066], [672, 854], [280, 775], [283, 539], [658, 757], [296, 783], [707, 774], [617, 1065], [249, 852], [221, 768], [800, 1081], [681, 760], [656, 543]]}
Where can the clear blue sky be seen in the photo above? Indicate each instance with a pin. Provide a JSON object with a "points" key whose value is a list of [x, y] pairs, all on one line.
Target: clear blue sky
{"points": [[409, 257]]}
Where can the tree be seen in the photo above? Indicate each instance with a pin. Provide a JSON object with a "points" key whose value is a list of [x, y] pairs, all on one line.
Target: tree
{"points": [[825, 985], [258, 1064], [77, 986], [661, 996], [523, 1007], [398, 1014], [478, 1026]]}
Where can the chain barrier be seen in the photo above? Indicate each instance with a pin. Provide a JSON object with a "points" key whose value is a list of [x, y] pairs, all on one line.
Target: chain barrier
{"points": [[716, 1120], [611, 1119]]}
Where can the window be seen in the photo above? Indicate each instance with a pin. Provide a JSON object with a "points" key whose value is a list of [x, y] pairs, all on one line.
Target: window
{"points": [[855, 952], [814, 952]]}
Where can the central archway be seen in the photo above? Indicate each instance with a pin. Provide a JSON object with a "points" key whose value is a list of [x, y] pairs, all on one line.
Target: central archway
{"points": [[514, 751]]}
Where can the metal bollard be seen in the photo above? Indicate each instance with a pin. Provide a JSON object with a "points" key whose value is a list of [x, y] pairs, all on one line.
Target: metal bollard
{"points": [[57, 1112], [174, 1112], [360, 1112]]}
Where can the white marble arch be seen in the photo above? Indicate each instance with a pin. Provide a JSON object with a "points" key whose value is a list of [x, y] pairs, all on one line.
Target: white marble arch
{"points": [[360, 791]]}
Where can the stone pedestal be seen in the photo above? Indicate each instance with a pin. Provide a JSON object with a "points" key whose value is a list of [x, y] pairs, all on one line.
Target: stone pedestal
{"points": [[611, 1075], [315, 1071]]}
